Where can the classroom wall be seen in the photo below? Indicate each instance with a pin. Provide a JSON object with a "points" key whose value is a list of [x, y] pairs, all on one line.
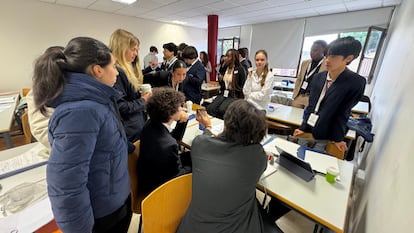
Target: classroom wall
{"points": [[389, 190], [28, 27]]}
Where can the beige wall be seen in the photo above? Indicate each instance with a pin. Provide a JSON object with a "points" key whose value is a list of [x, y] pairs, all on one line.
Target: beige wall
{"points": [[28, 27]]}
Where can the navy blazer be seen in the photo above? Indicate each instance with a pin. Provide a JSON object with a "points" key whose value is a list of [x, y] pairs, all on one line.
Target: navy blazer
{"points": [[335, 107], [158, 161], [192, 83]]}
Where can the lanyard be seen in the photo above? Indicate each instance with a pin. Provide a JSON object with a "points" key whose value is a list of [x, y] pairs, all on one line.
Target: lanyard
{"points": [[323, 92], [309, 74]]}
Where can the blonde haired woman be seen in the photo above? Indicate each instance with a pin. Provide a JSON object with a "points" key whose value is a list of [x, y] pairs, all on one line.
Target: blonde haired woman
{"points": [[125, 46], [259, 83]]}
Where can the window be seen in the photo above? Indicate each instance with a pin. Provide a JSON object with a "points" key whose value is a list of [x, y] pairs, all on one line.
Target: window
{"points": [[225, 44], [371, 41]]}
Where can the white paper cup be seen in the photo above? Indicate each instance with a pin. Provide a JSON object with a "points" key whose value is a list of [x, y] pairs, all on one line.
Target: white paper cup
{"points": [[189, 105], [145, 88]]}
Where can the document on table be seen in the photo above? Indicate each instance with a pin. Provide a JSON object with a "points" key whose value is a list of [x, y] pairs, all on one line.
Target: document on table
{"points": [[7, 100], [28, 160], [320, 162]]}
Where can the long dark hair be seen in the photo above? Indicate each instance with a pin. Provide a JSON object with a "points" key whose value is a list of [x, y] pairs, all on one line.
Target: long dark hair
{"points": [[79, 54]]}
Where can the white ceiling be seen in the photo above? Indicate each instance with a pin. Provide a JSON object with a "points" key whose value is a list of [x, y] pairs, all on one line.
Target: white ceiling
{"points": [[231, 12]]}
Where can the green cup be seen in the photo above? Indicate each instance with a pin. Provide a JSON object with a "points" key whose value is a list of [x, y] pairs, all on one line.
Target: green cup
{"points": [[331, 174]]}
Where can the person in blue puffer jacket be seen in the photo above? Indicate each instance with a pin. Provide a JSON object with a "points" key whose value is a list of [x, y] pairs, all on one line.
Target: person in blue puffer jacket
{"points": [[87, 172]]}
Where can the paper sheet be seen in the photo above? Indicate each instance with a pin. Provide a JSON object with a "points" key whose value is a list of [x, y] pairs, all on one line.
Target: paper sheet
{"points": [[319, 162], [28, 159]]}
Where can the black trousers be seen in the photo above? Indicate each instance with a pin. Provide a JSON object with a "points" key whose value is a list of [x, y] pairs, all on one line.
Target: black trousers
{"points": [[117, 222]]}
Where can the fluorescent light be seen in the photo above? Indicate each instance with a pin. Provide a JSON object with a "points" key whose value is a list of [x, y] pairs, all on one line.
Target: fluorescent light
{"points": [[179, 22], [125, 1]]}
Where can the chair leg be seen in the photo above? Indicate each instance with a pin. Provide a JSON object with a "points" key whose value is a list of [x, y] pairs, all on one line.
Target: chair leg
{"points": [[140, 223]]}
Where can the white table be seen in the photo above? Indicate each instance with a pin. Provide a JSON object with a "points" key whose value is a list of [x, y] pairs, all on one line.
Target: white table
{"points": [[34, 216], [293, 116], [7, 115], [319, 200], [361, 108]]}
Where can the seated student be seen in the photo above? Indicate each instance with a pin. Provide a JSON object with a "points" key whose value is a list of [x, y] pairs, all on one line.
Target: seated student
{"points": [[159, 160], [173, 78], [231, 83], [226, 170], [333, 93], [177, 75]]}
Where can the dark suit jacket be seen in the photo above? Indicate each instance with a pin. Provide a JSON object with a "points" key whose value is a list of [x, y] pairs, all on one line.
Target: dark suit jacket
{"points": [[335, 107], [131, 107], [192, 83], [150, 70], [225, 175], [158, 161]]}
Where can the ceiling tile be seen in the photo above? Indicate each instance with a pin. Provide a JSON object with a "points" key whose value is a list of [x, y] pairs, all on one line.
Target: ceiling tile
{"points": [[76, 3]]}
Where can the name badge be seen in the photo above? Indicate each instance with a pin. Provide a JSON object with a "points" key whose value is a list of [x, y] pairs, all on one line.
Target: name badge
{"points": [[226, 93], [313, 118], [304, 85]]}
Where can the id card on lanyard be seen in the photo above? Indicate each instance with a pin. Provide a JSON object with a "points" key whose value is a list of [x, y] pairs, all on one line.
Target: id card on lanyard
{"points": [[313, 117], [309, 73]]}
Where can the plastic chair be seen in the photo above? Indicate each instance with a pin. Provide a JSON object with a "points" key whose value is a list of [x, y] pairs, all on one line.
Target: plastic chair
{"points": [[163, 208], [136, 197]]}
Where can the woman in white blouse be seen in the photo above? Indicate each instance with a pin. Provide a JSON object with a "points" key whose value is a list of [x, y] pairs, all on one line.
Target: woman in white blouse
{"points": [[259, 83]]}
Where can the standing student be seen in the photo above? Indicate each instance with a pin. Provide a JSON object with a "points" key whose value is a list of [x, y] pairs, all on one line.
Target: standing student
{"points": [[153, 51], [333, 93], [259, 83], [159, 160], [125, 46], [308, 69], [196, 74], [243, 61], [226, 170], [170, 55], [87, 172], [207, 64], [39, 122]]}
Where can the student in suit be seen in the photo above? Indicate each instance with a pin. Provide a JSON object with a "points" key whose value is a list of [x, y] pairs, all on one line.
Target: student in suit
{"points": [[259, 83], [87, 172], [159, 160], [333, 93], [125, 46], [308, 69], [231, 85], [226, 169], [170, 55], [177, 75], [196, 74], [242, 59]]}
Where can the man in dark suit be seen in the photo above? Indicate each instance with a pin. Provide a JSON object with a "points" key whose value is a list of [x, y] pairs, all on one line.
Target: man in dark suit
{"points": [[243, 61], [159, 160], [333, 93], [196, 73]]}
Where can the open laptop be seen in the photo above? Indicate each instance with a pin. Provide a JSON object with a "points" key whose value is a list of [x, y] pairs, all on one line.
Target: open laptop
{"points": [[295, 165]]}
